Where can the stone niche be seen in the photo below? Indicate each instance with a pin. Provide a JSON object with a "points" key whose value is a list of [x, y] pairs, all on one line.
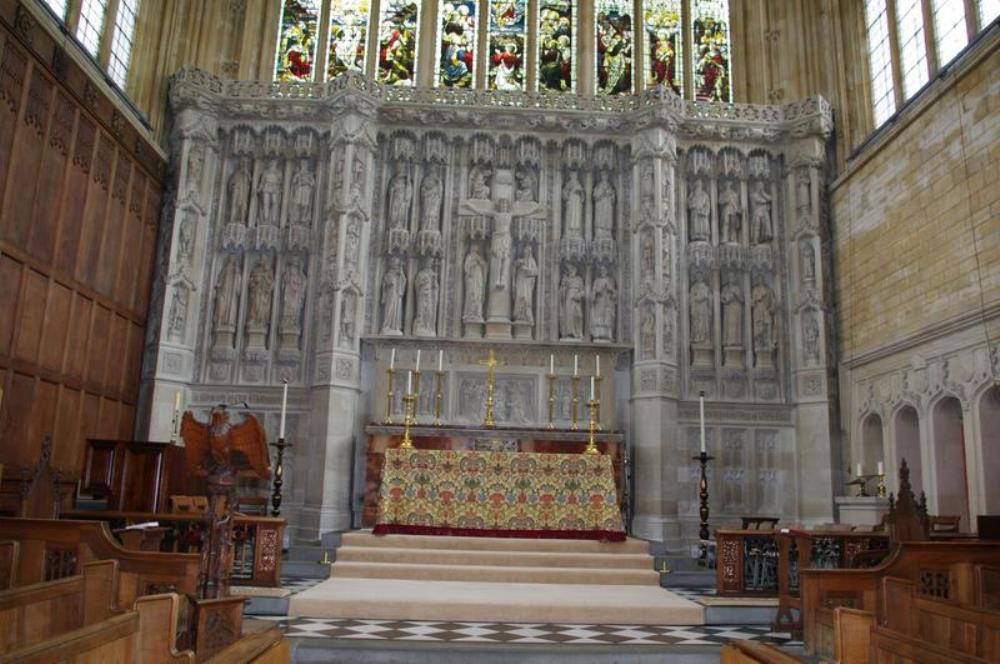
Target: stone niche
{"points": [[317, 226]]}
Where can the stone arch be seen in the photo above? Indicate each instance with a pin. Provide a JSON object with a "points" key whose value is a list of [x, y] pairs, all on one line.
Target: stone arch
{"points": [[989, 437], [951, 493], [906, 442], [872, 442]]}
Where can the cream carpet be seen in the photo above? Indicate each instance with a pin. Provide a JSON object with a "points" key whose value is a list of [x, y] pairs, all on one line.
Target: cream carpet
{"points": [[409, 577]]}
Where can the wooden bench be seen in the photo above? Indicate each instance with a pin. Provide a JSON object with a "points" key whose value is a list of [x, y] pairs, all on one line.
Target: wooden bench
{"points": [[750, 652]]}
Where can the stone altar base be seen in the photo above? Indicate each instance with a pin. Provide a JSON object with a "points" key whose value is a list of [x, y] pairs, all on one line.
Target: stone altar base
{"points": [[861, 510], [407, 577]]}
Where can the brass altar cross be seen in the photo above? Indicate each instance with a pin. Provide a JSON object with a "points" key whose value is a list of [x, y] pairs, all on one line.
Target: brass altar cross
{"points": [[491, 363]]}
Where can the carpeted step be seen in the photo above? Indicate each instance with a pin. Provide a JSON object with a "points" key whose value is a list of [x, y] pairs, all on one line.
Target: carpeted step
{"points": [[494, 574], [498, 558], [400, 599], [366, 538]]}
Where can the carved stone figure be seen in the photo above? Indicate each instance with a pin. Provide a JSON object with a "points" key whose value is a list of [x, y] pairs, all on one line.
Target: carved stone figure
{"points": [[426, 291], [185, 236], [303, 186], [731, 211], [358, 177], [352, 239], [400, 194], [760, 203], [259, 288], [294, 284], [500, 250], [227, 292], [177, 320], [810, 336], [269, 193], [701, 314], [525, 275], [605, 300], [604, 208], [807, 260], [647, 331], [526, 185], [763, 309], [571, 295], [196, 163], [803, 195], [475, 285], [573, 207], [646, 185], [699, 210], [479, 186], [239, 186], [431, 192], [732, 315], [393, 289], [348, 309]]}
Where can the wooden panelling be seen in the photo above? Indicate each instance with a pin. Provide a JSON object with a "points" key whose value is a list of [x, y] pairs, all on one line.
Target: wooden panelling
{"points": [[80, 200]]}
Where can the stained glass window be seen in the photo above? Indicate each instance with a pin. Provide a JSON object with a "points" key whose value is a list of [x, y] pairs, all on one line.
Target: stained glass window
{"points": [[556, 45], [988, 12], [348, 37], [664, 61], [397, 42], [507, 25], [949, 29], [58, 7], [91, 24], [879, 60], [457, 43], [296, 55], [121, 43], [912, 48], [710, 50], [613, 47]]}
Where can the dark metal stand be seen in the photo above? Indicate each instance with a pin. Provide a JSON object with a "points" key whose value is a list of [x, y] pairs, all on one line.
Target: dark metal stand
{"points": [[279, 475], [703, 533]]}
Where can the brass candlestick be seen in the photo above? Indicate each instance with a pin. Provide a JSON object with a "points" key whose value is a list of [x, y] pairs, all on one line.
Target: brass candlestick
{"points": [[279, 476], [489, 421], [408, 421], [438, 396], [388, 397], [881, 486], [576, 402], [703, 533], [552, 401], [592, 406], [597, 381]]}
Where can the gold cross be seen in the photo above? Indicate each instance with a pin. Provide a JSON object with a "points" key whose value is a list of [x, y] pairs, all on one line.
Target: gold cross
{"points": [[491, 363]]}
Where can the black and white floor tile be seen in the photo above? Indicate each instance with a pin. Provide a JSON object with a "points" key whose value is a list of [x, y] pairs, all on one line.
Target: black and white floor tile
{"points": [[513, 633]]}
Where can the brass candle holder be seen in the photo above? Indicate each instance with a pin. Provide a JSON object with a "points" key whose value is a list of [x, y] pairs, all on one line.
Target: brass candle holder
{"points": [[491, 363], [408, 420], [552, 401], [389, 394], [438, 396], [881, 486], [597, 381], [574, 412], [592, 406]]}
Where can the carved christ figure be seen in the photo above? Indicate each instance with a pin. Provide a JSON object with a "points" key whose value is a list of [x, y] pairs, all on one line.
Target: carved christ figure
{"points": [[431, 192], [239, 193], [393, 289], [426, 289], [525, 275], [760, 202], [602, 320], [731, 209], [701, 314], [475, 285], [500, 248], [571, 295], [573, 207], [269, 192], [732, 315], [604, 208], [227, 292], [260, 288], [400, 194], [699, 211]]}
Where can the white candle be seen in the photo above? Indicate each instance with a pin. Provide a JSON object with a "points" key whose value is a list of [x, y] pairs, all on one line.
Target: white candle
{"points": [[881, 468], [392, 359], [177, 401], [440, 360], [284, 409], [409, 382], [701, 408], [592, 388], [418, 361], [859, 470], [552, 364], [598, 366], [576, 366]]}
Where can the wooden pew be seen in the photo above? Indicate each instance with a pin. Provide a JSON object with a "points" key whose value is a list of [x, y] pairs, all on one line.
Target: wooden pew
{"points": [[144, 635], [51, 549], [751, 652], [10, 552]]}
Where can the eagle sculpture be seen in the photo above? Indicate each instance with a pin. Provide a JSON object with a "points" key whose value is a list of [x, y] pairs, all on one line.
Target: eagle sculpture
{"points": [[220, 443]]}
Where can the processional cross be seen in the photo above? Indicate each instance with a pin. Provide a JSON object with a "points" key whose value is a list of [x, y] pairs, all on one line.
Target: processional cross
{"points": [[491, 364]]}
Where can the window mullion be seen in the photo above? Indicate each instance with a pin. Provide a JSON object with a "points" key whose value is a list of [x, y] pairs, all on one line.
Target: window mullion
{"points": [[971, 19], [894, 53], [322, 42], [687, 39], [73, 15], [933, 60]]}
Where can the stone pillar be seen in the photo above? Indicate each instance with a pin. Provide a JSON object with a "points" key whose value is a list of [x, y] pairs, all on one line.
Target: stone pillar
{"points": [[336, 384], [808, 247], [657, 452]]}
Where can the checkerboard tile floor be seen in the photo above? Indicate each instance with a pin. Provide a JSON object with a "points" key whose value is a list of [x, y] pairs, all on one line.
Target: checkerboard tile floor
{"points": [[693, 592], [483, 632], [299, 583]]}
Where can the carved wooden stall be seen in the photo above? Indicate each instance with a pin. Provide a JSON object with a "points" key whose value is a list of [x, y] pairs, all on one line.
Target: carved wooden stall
{"points": [[135, 475]]}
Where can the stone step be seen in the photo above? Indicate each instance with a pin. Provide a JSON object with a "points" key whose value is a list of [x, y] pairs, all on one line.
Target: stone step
{"points": [[495, 574], [498, 558], [360, 538]]}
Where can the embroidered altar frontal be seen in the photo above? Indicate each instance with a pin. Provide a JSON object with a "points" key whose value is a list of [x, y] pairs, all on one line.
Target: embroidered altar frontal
{"points": [[498, 494]]}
